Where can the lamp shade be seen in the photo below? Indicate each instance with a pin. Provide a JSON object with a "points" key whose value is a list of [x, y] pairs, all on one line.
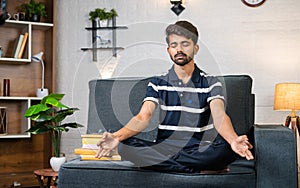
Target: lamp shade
{"points": [[176, 1], [38, 57], [41, 92], [287, 97]]}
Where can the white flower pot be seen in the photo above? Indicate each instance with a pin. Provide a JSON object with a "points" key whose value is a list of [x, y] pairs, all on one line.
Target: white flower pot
{"points": [[56, 162], [103, 23]]}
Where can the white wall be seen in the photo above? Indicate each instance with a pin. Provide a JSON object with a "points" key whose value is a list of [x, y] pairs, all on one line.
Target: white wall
{"points": [[262, 42]]}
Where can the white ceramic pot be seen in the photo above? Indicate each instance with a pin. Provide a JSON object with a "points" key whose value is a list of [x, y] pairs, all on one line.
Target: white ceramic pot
{"points": [[56, 162], [103, 23]]}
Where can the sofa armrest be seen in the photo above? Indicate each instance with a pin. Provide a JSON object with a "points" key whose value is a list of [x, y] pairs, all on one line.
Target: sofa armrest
{"points": [[275, 156]]}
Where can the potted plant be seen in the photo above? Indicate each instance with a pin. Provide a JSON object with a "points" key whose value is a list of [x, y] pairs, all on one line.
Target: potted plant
{"points": [[34, 10], [102, 16], [112, 13], [47, 117]]}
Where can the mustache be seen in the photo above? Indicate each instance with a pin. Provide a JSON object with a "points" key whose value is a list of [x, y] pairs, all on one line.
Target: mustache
{"points": [[180, 54]]}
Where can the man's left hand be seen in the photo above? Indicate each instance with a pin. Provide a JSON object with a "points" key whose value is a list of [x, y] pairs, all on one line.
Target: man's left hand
{"points": [[242, 146]]}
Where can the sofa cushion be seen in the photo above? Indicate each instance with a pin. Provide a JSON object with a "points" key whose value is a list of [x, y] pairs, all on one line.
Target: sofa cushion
{"points": [[87, 174], [239, 101], [113, 102]]}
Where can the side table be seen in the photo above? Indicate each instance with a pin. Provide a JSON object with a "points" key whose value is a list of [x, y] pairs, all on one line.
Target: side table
{"points": [[43, 174]]}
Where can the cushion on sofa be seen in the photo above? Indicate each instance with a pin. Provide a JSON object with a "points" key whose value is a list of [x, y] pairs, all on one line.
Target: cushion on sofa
{"points": [[90, 174]]}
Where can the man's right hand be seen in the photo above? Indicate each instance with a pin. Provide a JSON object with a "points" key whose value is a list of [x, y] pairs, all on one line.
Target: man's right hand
{"points": [[106, 144]]}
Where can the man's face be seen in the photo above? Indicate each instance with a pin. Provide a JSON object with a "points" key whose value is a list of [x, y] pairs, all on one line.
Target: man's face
{"points": [[181, 49]]}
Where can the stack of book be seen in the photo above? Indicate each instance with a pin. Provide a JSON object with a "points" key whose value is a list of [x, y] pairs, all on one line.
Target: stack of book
{"points": [[89, 149], [20, 45]]}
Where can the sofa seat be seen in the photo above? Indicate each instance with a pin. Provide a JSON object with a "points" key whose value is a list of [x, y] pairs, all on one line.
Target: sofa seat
{"points": [[91, 175]]}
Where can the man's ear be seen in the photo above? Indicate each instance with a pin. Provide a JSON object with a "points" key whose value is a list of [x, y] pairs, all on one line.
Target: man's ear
{"points": [[196, 48]]}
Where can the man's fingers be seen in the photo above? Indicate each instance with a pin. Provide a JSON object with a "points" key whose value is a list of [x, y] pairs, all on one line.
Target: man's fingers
{"points": [[250, 146], [102, 139], [104, 152], [249, 155], [104, 135], [98, 152]]}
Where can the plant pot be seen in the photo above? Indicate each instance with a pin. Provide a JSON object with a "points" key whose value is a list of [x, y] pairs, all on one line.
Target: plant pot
{"points": [[35, 18], [103, 23], [56, 162]]}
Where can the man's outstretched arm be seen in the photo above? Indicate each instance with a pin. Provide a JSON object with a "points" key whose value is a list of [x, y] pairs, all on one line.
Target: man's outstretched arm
{"points": [[137, 124], [223, 125]]}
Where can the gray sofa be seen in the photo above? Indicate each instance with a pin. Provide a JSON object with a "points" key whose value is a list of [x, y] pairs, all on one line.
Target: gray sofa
{"points": [[112, 102]]}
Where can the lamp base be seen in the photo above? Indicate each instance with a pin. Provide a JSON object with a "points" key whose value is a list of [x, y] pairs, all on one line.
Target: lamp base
{"points": [[42, 92]]}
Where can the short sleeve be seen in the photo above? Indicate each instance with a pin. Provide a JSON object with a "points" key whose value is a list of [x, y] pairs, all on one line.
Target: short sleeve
{"points": [[152, 93], [216, 89]]}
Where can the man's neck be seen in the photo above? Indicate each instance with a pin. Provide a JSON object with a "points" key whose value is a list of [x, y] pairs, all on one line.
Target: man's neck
{"points": [[185, 72]]}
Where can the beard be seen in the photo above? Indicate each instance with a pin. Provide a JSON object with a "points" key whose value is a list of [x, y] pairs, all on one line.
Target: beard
{"points": [[181, 59]]}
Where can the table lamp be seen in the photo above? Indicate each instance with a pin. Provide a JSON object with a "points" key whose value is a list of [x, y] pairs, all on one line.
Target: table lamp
{"points": [[287, 98], [40, 92]]}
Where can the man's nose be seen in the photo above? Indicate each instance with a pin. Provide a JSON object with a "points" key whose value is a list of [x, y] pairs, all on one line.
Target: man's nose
{"points": [[179, 48]]}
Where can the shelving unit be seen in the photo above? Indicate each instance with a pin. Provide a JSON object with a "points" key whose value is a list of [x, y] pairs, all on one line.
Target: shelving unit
{"points": [[17, 106], [25, 27], [95, 47], [22, 152]]}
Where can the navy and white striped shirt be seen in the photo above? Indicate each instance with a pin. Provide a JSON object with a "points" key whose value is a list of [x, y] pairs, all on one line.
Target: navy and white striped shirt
{"points": [[184, 108]]}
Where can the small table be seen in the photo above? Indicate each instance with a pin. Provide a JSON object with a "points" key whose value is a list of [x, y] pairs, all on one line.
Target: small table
{"points": [[43, 174]]}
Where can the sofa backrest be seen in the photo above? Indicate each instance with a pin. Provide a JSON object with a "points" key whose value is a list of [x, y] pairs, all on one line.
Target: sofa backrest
{"points": [[239, 101], [112, 102]]}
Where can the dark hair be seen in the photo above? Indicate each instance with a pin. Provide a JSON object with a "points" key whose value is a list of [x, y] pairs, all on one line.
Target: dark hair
{"points": [[182, 28]]}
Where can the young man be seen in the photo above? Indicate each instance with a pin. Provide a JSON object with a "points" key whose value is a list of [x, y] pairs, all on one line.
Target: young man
{"points": [[187, 98]]}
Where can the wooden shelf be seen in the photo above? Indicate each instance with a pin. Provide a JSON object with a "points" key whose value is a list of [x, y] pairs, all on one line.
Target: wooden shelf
{"points": [[15, 106], [19, 98], [37, 24], [106, 28], [103, 48], [9, 60]]}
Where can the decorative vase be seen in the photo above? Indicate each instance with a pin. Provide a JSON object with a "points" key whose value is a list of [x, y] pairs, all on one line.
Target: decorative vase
{"points": [[56, 162]]}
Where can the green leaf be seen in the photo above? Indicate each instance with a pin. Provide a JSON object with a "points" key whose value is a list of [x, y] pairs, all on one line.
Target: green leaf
{"points": [[42, 118], [38, 129], [55, 103], [62, 114], [53, 100], [35, 109], [57, 128], [57, 96], [72, 125]]}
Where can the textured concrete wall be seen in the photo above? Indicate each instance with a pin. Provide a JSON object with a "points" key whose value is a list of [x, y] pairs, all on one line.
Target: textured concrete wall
{"points": [[262, 42]]}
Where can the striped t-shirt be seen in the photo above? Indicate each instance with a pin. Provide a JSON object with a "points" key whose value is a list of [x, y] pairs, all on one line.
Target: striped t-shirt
{"points": [[184, 108]]}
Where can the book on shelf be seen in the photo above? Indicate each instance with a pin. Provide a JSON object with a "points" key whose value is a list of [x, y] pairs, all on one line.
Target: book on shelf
{"points": [[23, 44], [89, 149], [18, 46]]}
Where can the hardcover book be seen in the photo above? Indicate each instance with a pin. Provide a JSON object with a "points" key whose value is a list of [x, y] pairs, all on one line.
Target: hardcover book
{"points": [[23, 44], [89, 149], [17, 46]]}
